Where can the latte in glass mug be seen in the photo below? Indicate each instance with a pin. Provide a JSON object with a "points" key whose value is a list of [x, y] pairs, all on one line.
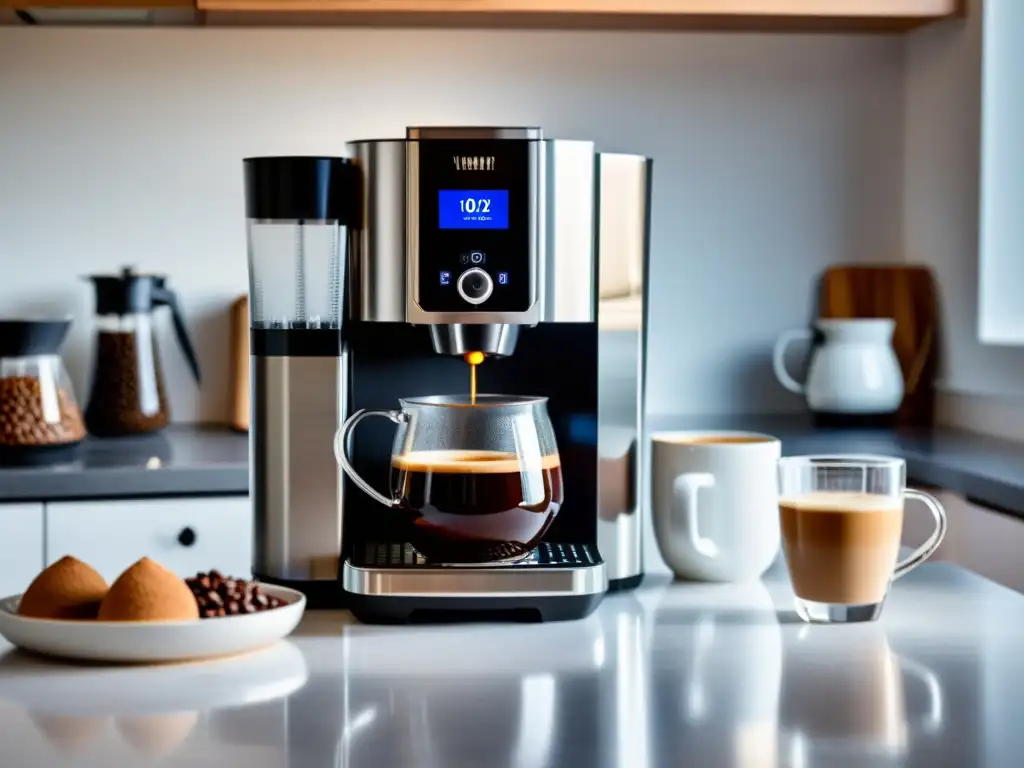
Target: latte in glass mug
{"points": [[841, 547], [842, 521]]}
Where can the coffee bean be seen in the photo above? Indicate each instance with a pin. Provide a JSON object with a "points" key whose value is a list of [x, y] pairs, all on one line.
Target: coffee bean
{"points": [[226, 596]]}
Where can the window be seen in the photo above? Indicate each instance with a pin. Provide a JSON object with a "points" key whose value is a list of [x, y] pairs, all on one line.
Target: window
{"points": [[1001, 246]]}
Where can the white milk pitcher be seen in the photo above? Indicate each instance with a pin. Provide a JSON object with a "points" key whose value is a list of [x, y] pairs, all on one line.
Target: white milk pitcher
{"points": [[855, 371]]}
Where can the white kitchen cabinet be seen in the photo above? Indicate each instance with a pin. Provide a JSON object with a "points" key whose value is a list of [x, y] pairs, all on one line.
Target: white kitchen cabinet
{"points": [[21, 546], [978, 538], [185, 535]]}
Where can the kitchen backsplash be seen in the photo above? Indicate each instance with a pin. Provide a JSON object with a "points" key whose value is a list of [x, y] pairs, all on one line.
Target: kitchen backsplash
{"points": [[775, 155]]}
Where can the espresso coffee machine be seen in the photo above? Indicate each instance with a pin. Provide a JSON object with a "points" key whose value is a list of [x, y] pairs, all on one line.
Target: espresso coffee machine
{"points": [[530, 251]]}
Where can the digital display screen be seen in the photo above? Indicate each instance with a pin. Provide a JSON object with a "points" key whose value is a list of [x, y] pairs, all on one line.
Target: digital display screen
{"points": [[473, 208]]}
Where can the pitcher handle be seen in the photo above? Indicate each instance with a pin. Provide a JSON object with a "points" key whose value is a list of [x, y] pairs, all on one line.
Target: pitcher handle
{"points": [[343, 444], [779, 358], [927, 549], [168, 298], [687, 487]]}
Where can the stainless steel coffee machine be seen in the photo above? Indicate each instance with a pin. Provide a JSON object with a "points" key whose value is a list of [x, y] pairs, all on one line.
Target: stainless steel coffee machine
{"points": [[530, 251]]}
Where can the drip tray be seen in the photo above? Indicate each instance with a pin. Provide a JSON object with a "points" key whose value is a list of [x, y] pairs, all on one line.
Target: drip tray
{"points": [[552, 569]]}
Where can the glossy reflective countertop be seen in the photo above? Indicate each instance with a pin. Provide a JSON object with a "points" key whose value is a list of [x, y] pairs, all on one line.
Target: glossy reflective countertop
{"points": [[670, 675]]}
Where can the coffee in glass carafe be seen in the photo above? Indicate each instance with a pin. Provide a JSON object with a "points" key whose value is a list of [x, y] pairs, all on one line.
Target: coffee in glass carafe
{"points": [[128, 393], [474, 482]]}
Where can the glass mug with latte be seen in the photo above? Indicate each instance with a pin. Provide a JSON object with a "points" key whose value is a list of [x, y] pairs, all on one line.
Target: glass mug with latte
{"points": [[478, 481], [842, 524]]}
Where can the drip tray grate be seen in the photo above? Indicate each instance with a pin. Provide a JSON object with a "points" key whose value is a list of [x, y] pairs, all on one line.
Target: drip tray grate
{"points": [[404, 556]]}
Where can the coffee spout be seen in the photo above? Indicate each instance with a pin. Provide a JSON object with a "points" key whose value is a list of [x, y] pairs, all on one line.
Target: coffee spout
{"points": [[493, 340]]}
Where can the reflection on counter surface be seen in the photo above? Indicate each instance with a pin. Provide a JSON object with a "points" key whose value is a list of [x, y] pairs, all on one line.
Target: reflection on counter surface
{"points": [[683, 674], [719, 702], [53, 713]]}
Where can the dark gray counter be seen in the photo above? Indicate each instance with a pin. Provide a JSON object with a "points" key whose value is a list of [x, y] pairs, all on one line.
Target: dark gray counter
{"points": [[181, 460], [203, 461], [987, 470]]}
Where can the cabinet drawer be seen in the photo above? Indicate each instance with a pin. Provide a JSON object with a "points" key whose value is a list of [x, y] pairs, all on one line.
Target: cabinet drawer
{"points": [[111, 535], [21, 546]]}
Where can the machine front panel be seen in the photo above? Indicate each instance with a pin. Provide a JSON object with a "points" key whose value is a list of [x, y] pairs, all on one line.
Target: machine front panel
{"points": [[475, 230]]}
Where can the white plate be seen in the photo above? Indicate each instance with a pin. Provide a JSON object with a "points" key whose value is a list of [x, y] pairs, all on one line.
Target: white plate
{"points": [[153, 641], [39, 685]]}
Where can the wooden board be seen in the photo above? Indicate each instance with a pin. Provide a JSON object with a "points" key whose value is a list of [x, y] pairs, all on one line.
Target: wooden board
{"points": [[239, 395], [909, 296]]}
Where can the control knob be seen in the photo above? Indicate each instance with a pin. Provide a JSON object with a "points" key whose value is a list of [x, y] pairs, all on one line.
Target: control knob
{"points": [[475, 286]]}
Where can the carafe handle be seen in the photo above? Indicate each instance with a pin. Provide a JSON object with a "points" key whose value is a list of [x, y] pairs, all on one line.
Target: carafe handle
{"points": [[343, 445], [163, 296], [779, 358]]}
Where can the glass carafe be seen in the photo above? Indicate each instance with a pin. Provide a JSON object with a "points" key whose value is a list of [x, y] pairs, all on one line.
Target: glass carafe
{"points": [[128, 394], [476, 483], [40, 422]]}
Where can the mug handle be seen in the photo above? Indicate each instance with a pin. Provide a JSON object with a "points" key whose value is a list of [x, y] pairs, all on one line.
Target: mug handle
{"points": [[686, 487], [779, 358], [927, 549], [343, 444], [932, 720]]}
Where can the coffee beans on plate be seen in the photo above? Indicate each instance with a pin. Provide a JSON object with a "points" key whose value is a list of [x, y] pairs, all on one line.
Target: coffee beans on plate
{"points": [[219, 595]]}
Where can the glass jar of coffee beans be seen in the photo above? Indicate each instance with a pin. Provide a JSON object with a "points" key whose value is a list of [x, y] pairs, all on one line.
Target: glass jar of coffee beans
{"points": [[40, 422]]}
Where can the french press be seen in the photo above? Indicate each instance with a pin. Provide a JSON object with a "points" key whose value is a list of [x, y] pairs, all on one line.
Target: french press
{"points": [[128, 395]]}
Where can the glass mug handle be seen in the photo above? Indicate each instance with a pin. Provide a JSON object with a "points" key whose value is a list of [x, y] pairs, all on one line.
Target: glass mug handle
{"points": [[343, 444], [927, 549]]}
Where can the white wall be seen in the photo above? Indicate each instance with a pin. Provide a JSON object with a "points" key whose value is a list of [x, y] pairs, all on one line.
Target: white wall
{"points": [[774, 156], [943, 135]]}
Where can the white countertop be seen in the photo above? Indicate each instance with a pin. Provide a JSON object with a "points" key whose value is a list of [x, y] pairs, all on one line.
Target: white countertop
{"points": [[670, 675]]}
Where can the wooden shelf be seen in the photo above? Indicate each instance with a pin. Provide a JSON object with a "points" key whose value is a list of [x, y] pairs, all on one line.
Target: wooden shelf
{"points": [[756, 15], [891, 15], [29, 5]]}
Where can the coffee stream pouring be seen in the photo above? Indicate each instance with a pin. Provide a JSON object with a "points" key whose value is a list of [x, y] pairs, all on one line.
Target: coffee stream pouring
{"points": [[473, 359], [128, 394]]}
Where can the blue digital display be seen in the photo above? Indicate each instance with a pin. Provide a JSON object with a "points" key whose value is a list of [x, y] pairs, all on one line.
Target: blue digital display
{"points": [[503, 278], [473, 208]]}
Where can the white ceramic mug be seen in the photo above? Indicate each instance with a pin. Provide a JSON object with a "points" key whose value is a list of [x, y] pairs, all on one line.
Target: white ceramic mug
{"points": [[715, 503]]}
